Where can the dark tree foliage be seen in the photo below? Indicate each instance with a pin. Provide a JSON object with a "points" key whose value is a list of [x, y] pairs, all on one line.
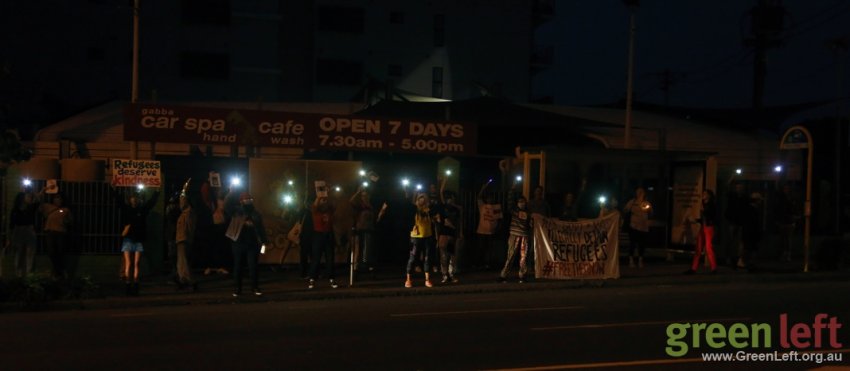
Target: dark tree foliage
{"points": [[11, 150]]}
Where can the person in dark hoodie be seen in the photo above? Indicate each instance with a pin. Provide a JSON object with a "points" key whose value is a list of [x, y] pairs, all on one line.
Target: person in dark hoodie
{"points": [[22, 236], [248, 236], [752, 231]]}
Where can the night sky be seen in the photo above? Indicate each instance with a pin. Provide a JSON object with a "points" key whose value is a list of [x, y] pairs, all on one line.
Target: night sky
{"points": [[701, 43]]}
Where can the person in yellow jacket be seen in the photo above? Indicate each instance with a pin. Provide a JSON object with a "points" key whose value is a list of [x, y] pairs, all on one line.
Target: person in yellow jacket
{"points": [[421, 239]]}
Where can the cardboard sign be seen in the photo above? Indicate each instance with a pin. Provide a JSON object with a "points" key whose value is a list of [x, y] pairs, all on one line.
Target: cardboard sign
{"points": [[131, 173], [321, 188], [215, 179], [51, 187]]}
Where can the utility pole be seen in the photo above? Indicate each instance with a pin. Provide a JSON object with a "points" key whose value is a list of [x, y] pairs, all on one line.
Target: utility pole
{"points": [[134, 93], [766, 24], [839, 47], [632, 5], [134, 88]]}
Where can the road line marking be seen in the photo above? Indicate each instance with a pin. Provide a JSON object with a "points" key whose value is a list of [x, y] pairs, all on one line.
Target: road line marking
{"points": [[627, 324], [605, 364], [124, 315], [480, 311]]}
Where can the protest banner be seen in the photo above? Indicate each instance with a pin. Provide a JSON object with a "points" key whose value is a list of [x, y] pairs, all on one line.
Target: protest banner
{"points": [[577, 250]]}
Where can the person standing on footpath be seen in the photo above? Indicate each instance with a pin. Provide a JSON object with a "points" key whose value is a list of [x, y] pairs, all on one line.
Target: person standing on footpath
{"points": [[184, 237], [421, 239], [751, 232], [57, 221], [134, 215], [364, 227], [638, 209], [213, 249], [172, 214], [305, 238], [736, 204], [708, 219], [537, 204], [489, 214], [322, 214], [518, 238], [447, 234], [22, 237], [570, 208], [248, 238], [787, 213]]}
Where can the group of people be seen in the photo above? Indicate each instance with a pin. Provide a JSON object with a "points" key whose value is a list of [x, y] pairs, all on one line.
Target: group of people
{"points": [[436, 227], [56, 222], [745, 226], [521, 210], [199, 229], [220, 220]]}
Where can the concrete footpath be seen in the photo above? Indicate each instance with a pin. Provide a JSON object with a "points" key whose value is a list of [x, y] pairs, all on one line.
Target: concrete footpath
{"points": [[283, 283]]}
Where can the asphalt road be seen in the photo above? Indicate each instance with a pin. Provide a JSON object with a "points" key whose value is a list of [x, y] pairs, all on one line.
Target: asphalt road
{"points": [[619, 327]]}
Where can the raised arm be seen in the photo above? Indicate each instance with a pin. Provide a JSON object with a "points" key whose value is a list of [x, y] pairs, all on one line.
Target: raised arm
{"points": [[231, 201], [382, 212], [152, 201], [116, 194], [443, 189], [354, 196], [484, 187]]}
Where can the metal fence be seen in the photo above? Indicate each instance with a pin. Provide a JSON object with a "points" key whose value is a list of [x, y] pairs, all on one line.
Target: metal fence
{"points": [[95, 229]]}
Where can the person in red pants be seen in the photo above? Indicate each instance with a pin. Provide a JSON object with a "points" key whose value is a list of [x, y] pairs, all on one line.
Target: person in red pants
{"points": [[708, 218]]}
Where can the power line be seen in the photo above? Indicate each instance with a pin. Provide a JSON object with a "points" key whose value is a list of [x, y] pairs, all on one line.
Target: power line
{"points": [[815, 18], [819, 24]]}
